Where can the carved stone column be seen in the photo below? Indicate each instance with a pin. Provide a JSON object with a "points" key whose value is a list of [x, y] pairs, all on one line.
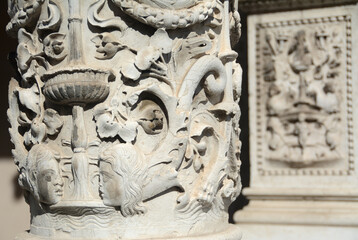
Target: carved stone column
{"points": [[124, 117], [303, 83]]}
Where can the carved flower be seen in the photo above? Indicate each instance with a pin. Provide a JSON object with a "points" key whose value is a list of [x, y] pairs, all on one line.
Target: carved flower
{"points": [[148, 58], [110, 124], [54, 46], [29, 57], [40, 127], [107, 45]]}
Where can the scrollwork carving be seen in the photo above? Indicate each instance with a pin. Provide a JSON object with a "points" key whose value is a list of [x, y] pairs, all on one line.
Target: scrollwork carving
{"points": [[116, 124]]}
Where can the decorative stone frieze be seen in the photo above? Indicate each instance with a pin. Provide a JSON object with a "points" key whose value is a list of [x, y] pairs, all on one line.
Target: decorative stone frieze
{"points": [[124, 117], [303, 154]]}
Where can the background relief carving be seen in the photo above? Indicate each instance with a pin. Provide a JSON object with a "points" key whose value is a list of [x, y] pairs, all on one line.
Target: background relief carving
{"points": [[302, 99], [302, 88]]}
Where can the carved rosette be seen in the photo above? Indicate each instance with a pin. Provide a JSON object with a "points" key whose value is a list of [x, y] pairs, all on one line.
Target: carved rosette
{"points": [[125, 117]]}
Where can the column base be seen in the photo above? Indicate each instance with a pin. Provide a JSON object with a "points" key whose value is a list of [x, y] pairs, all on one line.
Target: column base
{"points": [[285, 212], [297, 220], [296, 232], [232, 233]]}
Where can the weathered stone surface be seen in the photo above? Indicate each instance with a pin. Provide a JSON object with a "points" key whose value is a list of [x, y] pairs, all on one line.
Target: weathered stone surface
{"points": [[124, 117]]}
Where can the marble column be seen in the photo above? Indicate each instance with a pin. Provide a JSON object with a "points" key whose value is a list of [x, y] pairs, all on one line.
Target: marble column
{"points": [[303, 83], [124, 117]]}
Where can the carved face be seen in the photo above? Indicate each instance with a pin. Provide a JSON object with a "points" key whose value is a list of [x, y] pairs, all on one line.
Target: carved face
{"points": [[49, 182], [122, 174], [111, 185]]}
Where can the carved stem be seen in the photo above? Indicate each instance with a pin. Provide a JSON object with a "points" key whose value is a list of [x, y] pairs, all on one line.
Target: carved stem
{"points": [[80, 164], [302, 86], [227, 51], [75, 36], [41, 97]]}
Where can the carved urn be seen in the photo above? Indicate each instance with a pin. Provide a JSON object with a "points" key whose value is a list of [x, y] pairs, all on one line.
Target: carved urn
{"points": [[76, 86]]}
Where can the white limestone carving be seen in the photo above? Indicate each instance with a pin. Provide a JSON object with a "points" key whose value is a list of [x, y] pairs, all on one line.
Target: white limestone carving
{"points": [[302, 70], [304, 95], [124, 117], [302, 86]]}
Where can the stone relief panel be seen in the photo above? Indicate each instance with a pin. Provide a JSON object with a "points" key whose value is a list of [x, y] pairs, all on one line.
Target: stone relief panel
{"points": [[304, 102], [124, 116]]}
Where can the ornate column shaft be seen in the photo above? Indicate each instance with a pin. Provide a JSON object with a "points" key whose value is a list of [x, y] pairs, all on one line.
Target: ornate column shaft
{"points": [[124, 117], [303, 124]]}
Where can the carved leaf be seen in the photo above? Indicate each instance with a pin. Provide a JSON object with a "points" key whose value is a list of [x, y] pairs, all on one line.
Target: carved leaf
{"points": [[99, 110], [29, 97], [29, 55], [189, 152], [97, 40], [133, 99], [129, 131], [146, 57], [53, 121], [26, 39], [37, 132], [160, 40], [106, 127], [129, 70], [23, 120], [23, 56], [19, 152]]}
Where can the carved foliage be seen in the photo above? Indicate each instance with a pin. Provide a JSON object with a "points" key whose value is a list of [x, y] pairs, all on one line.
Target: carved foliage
{"points": [[141, 113]]}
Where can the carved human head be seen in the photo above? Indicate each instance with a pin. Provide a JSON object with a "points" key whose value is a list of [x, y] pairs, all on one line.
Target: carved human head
{"points": [[122, 172], [42, 175]]}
